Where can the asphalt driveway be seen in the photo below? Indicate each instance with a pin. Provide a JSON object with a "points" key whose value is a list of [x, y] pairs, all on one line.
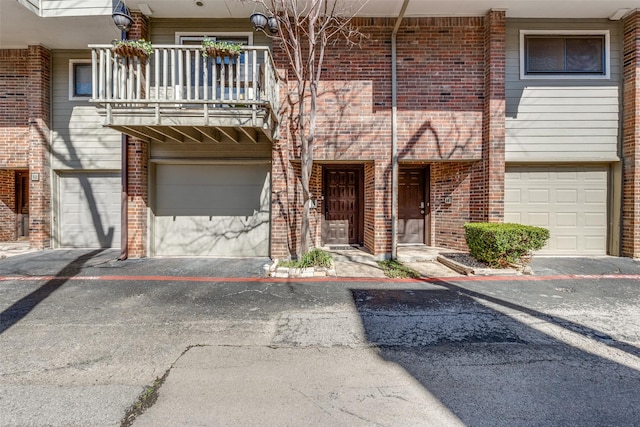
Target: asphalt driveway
{"points": [[82, 336]]}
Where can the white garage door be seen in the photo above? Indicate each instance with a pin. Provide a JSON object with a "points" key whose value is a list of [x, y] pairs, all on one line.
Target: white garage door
{"points": [[570, 201], [89, 211], [212, 210]]}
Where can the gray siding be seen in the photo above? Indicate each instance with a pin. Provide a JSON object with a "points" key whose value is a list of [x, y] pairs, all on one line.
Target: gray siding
{"points": [[163, 31], [193, 151], [562, 120], [79, 141]]}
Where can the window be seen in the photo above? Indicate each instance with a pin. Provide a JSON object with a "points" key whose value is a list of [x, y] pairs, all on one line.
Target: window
{"points": [[80, 86], [564, 55], [196, 40]]}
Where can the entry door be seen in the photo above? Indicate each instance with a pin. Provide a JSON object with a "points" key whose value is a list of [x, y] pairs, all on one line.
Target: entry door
{"points": [[412, 207], [22, 203], [342, 206]]}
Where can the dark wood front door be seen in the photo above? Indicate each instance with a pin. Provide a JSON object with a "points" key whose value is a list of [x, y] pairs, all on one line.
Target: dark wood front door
{"points": [[412, 206], [22, 204], [342, 206]]}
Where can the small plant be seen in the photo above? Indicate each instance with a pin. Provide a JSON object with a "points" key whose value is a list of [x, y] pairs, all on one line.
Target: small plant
{"points": [[314, 258], [214, 48], [130, 48], [395, 269], [500, 245]]}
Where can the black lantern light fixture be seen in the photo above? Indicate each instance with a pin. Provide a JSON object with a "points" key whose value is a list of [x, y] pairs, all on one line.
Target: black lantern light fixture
{"points": [[272, 23], [259, 21], [122, 18]]}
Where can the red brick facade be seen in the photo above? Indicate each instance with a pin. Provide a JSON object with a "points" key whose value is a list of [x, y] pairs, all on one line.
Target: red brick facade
{"points": [[25, 87], [445, 91], [631, 138], [451, 123]]}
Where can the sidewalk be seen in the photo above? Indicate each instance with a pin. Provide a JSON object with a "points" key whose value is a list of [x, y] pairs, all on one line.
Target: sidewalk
{"points": [[349, 263]]}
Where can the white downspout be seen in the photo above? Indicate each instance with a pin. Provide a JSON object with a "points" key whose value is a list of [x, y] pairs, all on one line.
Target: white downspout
{"points": [[394, 134]]}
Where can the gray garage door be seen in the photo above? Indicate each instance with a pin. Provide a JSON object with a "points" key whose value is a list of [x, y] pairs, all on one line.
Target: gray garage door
{"points": [[211, 210], [89, 210], [570, 201]]}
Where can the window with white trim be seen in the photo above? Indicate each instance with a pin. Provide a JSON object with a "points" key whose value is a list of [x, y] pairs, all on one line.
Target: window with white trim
{"points": [[564, 55], [80, 85]]}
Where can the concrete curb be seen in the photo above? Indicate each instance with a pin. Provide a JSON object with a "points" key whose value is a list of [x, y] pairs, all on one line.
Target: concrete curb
{"points": [[466, 270]]}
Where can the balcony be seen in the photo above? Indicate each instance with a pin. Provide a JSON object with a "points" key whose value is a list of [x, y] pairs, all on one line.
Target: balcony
{"points": [[177, 95]]}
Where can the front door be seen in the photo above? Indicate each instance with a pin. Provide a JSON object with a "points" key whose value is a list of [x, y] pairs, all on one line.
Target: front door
{"points": [[22, 204], [412, 207], [342, 206]]}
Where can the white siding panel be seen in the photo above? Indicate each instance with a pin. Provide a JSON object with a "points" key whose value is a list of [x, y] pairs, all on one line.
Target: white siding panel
{"points": [[561, 120]]}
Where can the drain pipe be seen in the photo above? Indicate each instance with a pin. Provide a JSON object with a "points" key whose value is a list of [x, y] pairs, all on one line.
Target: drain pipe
{"points": [[394, 133]]}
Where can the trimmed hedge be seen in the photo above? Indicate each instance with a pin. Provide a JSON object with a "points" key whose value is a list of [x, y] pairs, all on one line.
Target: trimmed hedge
{"points": [[501, 244]]}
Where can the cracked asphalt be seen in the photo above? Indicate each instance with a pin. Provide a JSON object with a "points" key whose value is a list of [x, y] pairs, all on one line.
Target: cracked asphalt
{"points": [[82, 335]]}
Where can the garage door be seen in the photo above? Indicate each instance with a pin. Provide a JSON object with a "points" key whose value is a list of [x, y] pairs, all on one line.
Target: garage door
{"points": [[211, 210], [570, 201], [89, 210]]}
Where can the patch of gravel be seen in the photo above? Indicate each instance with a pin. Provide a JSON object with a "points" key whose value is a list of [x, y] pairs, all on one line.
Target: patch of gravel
{"points": [[465, 259]]}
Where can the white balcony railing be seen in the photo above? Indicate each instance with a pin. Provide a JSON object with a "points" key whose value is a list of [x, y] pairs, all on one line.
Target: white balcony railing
{"points": [[179, 76]]}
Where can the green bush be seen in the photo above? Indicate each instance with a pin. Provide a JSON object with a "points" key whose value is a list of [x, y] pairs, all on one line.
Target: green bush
{"points": [[314, 258], [500, 244]]}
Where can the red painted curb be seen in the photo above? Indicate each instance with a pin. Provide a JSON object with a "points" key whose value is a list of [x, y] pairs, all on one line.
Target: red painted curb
{"points": [[325, 279]]}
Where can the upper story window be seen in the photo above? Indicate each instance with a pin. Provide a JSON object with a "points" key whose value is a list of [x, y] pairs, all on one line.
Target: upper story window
{"points": [[80, 79], [564, 54]]}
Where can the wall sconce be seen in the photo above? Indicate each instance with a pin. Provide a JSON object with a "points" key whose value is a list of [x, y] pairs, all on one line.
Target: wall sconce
{"points": [[273, 25], [122, 18], [259, 21]]}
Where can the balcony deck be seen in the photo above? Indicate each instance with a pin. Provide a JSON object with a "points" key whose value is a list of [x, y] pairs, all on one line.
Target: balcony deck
{"points": [[176, 94]]}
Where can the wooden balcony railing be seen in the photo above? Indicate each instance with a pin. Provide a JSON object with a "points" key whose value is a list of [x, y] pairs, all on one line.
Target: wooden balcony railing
{"points": [[177, 80]]}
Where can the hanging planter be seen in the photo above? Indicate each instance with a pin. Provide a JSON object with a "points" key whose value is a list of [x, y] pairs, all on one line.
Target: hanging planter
{"points": [[132, 48], [222, 49]]}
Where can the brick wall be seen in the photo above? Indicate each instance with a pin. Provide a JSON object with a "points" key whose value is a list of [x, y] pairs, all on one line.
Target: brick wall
{"points": [[14, 132], [137, 169], [445, 96], [25, 82], [38, 98], [631, 138], [137, 196]]}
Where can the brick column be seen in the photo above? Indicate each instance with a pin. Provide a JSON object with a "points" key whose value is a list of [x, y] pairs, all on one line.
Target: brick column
{"points": [[137, 169], [137, 196], [494, 115], [631, 138], [38, 97]]}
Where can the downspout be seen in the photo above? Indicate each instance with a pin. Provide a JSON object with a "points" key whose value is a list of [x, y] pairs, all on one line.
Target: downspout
{"points": [[124, 204], [394, 134]]}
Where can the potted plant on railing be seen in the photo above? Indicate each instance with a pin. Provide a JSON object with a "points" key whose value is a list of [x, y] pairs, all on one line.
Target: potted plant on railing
{"points": [[132, 48], [222, 49]]}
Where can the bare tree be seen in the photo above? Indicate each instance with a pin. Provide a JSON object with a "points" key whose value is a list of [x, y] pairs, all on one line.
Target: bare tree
{"points": [[305, 29]]}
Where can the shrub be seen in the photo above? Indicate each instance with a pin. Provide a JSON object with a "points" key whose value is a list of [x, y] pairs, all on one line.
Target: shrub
{"points": [[500, 244], [314, 258]]}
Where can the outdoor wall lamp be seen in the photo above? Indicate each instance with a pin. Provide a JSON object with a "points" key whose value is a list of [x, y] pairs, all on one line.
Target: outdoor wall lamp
{"points": [[121, 17], [260, 21], [273, 25]]}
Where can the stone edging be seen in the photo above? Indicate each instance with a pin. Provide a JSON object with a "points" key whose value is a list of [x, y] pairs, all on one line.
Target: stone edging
{"points": [[468, 271], [272, 270]]}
